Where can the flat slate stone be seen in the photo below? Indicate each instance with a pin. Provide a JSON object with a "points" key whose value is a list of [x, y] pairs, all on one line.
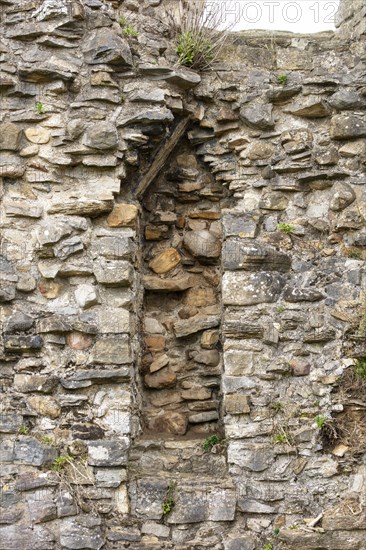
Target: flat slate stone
{"points": [[250, 256], [245, 289], [108, 452], [81, 532], [195, 324]]}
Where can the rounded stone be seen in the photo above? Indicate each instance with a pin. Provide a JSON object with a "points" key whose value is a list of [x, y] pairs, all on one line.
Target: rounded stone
{"points": [[202, 244], [123, 215], [37, 135]]}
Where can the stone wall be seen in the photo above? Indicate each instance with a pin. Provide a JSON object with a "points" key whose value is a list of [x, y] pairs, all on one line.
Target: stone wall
{"points": [[182, 256]]}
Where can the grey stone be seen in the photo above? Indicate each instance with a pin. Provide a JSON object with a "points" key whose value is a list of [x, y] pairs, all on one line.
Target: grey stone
{"points": [[105, 46], [151, 116], [346, 126], [112, 247], [81, 533], [244, 289], [241, 223], [22, 209], [86, 296], [101, 136], [255, 507], [250, 256], [202, 244], [54, 68], [347, 99], [241, 542], [13, 537], [113, 272], [112, 350], [195, 324], [156, 529], [82, 206], [208, 416], [10, 421], [14, 344], [203, 504], [68, 247], [257, 115], [28, 450], [312, 107], [10, 136], [28, 383], [183, 78], [231, 384], [342, 196], [19, 322], [108, 453], [294, 294]]}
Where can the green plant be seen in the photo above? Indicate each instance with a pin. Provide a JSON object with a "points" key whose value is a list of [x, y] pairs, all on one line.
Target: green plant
{"points": [[60, 462], [130, 31], [281, 439], [169, 501], [280, 309], [123, 21], [320, 421], [277, 406], [47, 440], [23, 430], [282, 79], [268, 546], [355, 254], [276, 531], [360, 368], [286, 228], [39, 108], [198, 34], [211, 442], [194, 49]]}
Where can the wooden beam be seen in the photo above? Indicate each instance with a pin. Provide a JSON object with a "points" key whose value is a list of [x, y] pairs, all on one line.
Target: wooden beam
{"points": [[162, 156]]}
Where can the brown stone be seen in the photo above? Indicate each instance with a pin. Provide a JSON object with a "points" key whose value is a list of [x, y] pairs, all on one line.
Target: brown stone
{"points": [[195, 324], [176, 284], [165, 378], [165, 261], [79, 341], [155, 342], [205, 215], [200, 297], [44, 405], [49, 289], [37, 135], [159, 363], [155, 233], [209, 339], [259, 151], [123, 215], [211, 358], [300, 367], [170, 422], [186, 161], [196, 393], [237, 404], [187, 312]]}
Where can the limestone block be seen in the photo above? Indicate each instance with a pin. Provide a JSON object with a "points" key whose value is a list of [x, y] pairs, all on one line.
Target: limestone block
{"points": [[248, 289], [123, 215], [108, 452], [10, 136], [81, 532], [165, 261], [113, 272], [346, 126]]}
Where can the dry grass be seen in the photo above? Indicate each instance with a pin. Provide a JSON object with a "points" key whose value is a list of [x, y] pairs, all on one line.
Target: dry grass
{"points": [[197, 33], [349, 426]]}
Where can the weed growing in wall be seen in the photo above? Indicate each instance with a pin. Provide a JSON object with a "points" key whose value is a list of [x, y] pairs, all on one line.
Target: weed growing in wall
{"points": [[198, 38]]}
